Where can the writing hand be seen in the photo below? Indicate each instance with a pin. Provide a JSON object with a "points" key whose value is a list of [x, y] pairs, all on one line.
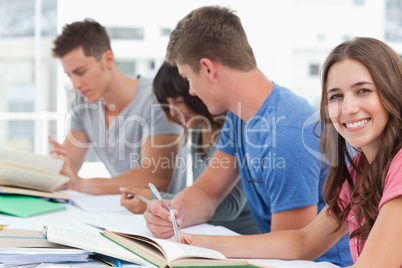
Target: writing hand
{"points": [[158, 218], [194, 240]]}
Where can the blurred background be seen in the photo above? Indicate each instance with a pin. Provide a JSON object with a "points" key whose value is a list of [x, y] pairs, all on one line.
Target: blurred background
{"points": [[290, 38]]}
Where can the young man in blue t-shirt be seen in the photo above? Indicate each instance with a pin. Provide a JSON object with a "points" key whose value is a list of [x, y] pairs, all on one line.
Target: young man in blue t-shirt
{"points": [[267, 127]]}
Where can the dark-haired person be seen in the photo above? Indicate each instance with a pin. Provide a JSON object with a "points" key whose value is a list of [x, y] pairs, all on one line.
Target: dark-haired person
{"points": [[202, 131], [112, 113]]}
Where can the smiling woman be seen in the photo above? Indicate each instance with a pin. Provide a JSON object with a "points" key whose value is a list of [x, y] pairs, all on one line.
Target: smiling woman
{"points": [[354, 106]]}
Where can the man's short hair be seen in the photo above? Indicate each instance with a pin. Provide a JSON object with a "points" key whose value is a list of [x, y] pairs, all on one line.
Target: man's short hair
{"points": [[88, 34], [211, 32]]}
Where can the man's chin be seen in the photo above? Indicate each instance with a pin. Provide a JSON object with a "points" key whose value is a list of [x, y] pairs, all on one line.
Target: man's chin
{"points": [[91, 100], [218, 112]]}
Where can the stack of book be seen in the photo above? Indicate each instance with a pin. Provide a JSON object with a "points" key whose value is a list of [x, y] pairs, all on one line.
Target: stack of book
{"points": [[25, 177], [19, 247]]}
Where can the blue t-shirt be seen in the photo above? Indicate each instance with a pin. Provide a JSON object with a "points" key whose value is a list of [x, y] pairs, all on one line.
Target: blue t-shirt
{"points": [[279, 160]]}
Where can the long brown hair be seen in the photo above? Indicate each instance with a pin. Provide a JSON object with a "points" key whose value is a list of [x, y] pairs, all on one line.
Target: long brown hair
{"points": [[385, 67]]}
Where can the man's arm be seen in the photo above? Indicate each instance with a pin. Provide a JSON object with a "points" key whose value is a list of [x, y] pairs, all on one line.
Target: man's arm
{"points": [[160, 175], [196, 204], [76, 153], [215, 183], [156, 170], [73, 151]]}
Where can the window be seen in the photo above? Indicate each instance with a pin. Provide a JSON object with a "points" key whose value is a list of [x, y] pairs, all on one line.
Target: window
{"points": [[28, 89], [314, 69], [165, 32], [152, 64], [127, 67], [346, 37], [321, 37], [126, 33], [359, 2], [393, 21]]}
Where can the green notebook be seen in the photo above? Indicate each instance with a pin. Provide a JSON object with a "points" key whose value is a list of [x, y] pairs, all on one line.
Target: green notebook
{"points": [[26, 206]]}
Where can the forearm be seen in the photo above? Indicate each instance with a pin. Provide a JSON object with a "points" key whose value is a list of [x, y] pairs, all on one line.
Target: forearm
{"points": [[304, 244], [138, 177], [287, 245], [199, 207]]}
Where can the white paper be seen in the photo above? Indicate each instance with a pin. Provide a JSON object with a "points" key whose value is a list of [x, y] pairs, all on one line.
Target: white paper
{"points": [[98, 203], [38, 255]]}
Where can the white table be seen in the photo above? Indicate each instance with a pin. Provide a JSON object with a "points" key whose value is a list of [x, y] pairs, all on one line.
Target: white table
{"points": [[123, 220]]}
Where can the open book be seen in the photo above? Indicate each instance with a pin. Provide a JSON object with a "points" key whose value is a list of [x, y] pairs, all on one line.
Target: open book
{"points": [[94, 242], [30, 171], [164, 253]]}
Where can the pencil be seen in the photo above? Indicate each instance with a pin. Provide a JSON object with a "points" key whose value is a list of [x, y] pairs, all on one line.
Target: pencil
{"points": [[99, 259], [143, 199]]}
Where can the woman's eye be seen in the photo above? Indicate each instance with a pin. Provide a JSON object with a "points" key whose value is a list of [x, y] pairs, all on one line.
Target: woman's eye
{"points": [[334, 97], [364, 90]]}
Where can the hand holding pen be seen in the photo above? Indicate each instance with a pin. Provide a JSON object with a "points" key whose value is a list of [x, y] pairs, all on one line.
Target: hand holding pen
{"points": [[170, 209], [135, 199]]}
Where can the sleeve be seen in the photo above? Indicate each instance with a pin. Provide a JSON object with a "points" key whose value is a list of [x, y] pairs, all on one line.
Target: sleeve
{"points": [[232, 206], [393, 181], [228, 137], [292, 174], [75, 113], [164, 196]]}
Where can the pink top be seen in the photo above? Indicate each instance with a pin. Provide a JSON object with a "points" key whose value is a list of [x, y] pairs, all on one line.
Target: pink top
{"points": [[392, 189]]}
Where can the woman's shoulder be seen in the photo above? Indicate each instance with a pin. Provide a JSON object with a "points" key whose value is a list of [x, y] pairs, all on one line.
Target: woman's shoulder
{"points": [[398, 157], [395, 168]]}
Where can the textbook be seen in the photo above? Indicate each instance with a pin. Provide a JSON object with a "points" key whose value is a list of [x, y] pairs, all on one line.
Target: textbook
{"points": [[23, 191], [26, 206], [164, 253], [30, 247], [31, 171], [94, 242], [25, 238]]}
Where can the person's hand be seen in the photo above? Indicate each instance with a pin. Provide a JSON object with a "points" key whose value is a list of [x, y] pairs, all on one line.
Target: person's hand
{"points": [[203, 241], [158, 218], [61, 153], [133, 204]]}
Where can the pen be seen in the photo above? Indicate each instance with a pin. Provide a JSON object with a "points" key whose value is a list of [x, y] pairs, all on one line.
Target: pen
{"points": [[101, 260], [143, 199], [117, 263], [176, 232], [158, 195]]}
